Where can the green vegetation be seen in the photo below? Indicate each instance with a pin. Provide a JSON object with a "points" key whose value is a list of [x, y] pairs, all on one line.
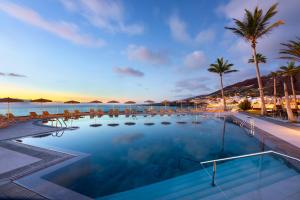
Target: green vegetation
{"points": [[245, 105], [254, 26], [221, 67], [259, 57], [291, 50]]}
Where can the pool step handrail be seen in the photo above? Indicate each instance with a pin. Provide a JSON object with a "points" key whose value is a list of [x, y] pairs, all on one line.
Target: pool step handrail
{"points": [[242, 156]]}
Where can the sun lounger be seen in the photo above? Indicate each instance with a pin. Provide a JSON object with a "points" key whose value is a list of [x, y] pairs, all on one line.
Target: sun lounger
{"points": [[33, 115], [127, 112], [169, 112], [100, 112], [67, 114], [11, 118], [77, 113], [92, 112], [45, 115], [116, 112], [3, 122], [111, 112], [162, 112]]}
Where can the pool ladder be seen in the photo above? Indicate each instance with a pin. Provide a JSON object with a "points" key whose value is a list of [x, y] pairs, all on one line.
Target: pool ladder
{"points": [[62, 124], [251, 123]]}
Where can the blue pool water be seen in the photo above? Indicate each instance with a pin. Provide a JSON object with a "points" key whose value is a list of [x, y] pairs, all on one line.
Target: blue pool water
{"points": [[124, 157]]}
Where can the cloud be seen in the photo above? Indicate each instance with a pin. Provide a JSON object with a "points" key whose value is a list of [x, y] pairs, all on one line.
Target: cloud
{"points": [[195, 59], [128, 138], [108, 15], [192, 85], [178, 28], [127, 71], [65, 30], [141, 53], [205, 36], [15, 75], [12, 75]]}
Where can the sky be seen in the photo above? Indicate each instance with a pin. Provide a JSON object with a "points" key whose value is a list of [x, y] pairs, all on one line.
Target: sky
{"points": [[129, 49]]}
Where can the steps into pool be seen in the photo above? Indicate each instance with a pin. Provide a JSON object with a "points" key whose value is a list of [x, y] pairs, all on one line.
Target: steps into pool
{"points": [[261, 177]]}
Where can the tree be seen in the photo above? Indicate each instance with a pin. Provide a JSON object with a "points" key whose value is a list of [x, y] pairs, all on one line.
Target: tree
{"points": [[290, 70], [289, 111], [259, 57], [222, 67], [254, 26], [274, 76], [291, 50]]}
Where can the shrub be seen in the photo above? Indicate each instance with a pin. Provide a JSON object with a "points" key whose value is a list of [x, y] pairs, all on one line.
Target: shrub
{"points": [[245, 105]]}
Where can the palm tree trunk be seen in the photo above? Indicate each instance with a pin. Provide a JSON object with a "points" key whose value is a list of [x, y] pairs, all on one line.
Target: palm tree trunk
{"points": [[222, 91], [275, 93], [294, 92], [260, 84], [289, 111]]}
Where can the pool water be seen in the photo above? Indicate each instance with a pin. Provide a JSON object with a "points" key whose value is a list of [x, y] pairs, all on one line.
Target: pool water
{"points": [[124, 157]]}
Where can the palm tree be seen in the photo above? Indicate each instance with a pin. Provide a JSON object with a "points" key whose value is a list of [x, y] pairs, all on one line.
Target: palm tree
{"points": [[290, 70], [291, 50], [254, 26], [289, 111], [274, 76], [221, 67], [259, 57]]}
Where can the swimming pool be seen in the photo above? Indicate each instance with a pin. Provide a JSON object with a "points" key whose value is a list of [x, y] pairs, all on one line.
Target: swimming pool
{"points": [[126, 152]]}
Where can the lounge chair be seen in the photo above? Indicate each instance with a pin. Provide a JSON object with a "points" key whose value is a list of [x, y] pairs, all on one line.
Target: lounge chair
{"points": [[127, 112], [92, 112], [116, 112], [67, 114], [162, 112], [46, 115], [3, 122], [11, 118], [169, 112], [100, 112], [111, 112], [77, 113], [33, 115]]}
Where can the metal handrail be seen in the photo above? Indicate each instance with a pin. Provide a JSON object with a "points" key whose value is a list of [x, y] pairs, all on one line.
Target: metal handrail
{"points": [[242, 156], [236, 157]]}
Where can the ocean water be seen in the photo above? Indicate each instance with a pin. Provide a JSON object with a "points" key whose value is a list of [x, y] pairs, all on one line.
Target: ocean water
{"points": [[23, 109]]}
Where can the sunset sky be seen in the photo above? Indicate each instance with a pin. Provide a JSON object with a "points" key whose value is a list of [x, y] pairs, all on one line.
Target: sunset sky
{"points": [[130, 49]]}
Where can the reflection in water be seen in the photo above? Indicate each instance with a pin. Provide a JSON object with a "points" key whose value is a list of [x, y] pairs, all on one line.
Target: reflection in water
{"points": [[95, 125], [127, 157], [113, 124], [128, 138], [42, 135], [149, 124], [129, 123], [223, 134], [165, 123]]}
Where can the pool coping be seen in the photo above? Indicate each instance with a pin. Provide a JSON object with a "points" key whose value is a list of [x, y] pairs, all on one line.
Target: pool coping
{"points": [[47, 189]]}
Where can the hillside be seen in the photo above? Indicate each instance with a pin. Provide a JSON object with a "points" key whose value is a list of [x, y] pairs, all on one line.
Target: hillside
{"points": [[249, 87]]}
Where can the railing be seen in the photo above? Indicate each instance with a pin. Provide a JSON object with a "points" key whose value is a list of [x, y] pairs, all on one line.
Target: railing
{"points": [[242, 156], [242, 123]]}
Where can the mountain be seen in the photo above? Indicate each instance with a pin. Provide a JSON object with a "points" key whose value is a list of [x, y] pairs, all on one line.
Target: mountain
{"points": [[249, 87]]}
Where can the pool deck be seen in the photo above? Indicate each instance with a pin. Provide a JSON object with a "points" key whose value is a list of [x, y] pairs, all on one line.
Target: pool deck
{"points": [[18, 160], [22, 129], [26, 160], [288, 133]]}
